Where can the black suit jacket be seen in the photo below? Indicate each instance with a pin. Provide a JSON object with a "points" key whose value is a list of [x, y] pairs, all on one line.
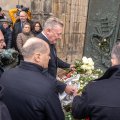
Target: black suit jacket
{"points": [[54, 61]]}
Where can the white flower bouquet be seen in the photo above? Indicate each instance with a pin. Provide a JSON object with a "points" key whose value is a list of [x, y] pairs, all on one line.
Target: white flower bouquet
{"points": [[87, 71]]}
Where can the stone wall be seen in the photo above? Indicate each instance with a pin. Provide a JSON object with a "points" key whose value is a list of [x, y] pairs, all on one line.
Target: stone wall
{"points": [[8, 4], [74, 15], [72, 12]]}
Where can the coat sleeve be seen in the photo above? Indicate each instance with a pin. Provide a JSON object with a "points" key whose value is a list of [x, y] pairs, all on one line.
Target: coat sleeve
{"points": [[80, 106], [19, 42], [9, 43], [62, 64], [60, 86], [53, 107]]}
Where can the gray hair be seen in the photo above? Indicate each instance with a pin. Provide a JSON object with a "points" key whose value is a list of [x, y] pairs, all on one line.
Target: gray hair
{"points": [[26, 23], [116, 51], [34, 45], [52, 22]]}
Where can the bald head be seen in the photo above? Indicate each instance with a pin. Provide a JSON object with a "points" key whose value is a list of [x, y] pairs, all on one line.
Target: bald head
{"points": [[34, 45], [36, 51]]}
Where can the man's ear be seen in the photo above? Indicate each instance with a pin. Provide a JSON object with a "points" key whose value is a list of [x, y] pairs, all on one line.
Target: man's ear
{"points": [[37, 57], [48, 30]]}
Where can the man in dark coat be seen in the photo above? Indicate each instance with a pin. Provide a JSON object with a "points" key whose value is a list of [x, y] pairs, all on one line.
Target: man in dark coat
{"points": [[28, 93], [4, 113], [52, 32], [101, 98], [2, 45]]}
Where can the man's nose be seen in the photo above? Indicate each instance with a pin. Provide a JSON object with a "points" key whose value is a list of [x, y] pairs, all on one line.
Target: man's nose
{"points": [[4, 44]]}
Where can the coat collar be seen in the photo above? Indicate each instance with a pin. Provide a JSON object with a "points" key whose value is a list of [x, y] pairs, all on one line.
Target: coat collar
{"points": [[45, 37], [113, 71], [31, 66]]}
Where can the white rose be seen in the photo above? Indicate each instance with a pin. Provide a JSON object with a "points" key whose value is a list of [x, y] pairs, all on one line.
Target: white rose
{"points": [[92, 67], [89, 72], [84, 67], [90, 61], [88, 67], [85, 60]]}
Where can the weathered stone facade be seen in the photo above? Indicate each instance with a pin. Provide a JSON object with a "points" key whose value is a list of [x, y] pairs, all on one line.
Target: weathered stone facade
{"points": [[8, 4], [74, 15], [72, 12]]}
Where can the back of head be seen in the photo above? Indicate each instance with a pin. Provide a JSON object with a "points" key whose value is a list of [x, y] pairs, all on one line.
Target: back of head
{"points": [[116, 52], [34, 45], [52, 22]]}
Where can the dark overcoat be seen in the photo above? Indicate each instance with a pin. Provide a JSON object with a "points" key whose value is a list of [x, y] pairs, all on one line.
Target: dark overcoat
{"points": [[30, 95], [54, 62], [101, 98]]}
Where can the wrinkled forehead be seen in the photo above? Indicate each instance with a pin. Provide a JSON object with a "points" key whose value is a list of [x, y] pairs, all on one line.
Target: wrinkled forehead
{"points": [[23, 14], [5, 22]]}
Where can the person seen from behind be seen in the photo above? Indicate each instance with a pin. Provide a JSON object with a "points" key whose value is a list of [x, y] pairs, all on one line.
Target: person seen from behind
{"points": [[28, 93], [100, 99]]}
